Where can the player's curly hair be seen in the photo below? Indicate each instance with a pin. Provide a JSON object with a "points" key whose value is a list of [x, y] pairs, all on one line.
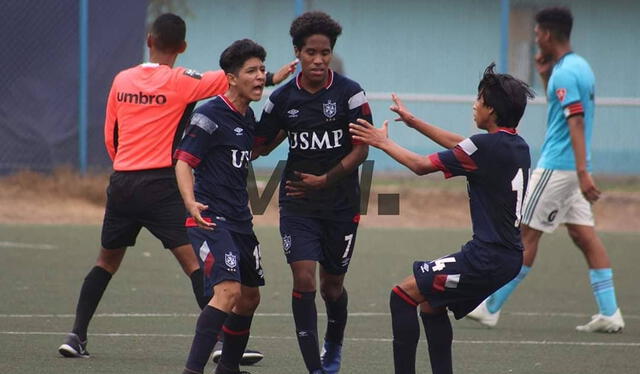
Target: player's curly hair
{"points": [[168, 32], [558, 20], [235, 55], [311, 23], [506, 95]]}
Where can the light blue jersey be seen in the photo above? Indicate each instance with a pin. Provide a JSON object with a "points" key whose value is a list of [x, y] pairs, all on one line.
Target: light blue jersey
{"points": [[570, 92]]}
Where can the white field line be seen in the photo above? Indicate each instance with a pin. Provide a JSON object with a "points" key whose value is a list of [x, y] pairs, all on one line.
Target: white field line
{"points": [[374, 340], [16, 245], [354, 314]]}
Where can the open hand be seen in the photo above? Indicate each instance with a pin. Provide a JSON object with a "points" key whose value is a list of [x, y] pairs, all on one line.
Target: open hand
{"points": [[367, 133], [398, 106], [195, 209]]}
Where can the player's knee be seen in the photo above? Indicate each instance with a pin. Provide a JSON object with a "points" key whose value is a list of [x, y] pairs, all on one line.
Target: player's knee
{"points": [[331, 291], [304, 281]]}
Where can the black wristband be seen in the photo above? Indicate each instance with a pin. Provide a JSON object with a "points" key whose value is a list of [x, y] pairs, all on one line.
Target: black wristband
{"points": [[269, 80]]}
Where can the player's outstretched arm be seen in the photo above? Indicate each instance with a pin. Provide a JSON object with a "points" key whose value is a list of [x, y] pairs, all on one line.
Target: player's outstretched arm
{"points": [[282, 74], [184, 176], [308, 182], [445, 138], [379, 137]]}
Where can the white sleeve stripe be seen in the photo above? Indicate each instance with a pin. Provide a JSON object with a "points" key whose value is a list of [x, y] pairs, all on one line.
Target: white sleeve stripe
{"points": [[203, 122], [268, 106], [357, 100], [468, 147]]}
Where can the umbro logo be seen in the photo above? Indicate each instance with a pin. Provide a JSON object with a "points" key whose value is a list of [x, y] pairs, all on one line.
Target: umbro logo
{"points": [[239, 131], [293, 113]]}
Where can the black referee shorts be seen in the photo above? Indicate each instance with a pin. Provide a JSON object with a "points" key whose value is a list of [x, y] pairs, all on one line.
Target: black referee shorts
{"points": [[146, 198]]}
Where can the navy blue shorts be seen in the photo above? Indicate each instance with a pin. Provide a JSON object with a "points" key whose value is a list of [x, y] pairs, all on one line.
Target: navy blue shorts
{"points": [[462, 280], [227, 255], [330, 243], [145, 198]]}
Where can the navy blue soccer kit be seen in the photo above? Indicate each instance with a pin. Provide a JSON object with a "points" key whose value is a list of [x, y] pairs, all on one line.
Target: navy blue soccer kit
{"points": [[322, 225], [217, 145], [497, 170]]}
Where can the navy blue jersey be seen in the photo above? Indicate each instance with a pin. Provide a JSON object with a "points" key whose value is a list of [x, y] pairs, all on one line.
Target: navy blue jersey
{"points": [[217, 145], [317, 127], [497, 170]]}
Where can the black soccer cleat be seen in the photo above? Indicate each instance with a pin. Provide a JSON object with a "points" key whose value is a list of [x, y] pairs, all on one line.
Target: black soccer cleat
{"points": [[73, 347]]}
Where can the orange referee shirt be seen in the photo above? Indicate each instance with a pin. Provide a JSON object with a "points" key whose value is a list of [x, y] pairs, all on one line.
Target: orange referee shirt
{"points": [[147, 109]]}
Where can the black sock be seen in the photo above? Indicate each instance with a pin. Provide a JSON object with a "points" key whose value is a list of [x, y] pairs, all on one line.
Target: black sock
{"points": [[207, 328], [236, 332], [197, 284], [336, 318], [306, 319], [406, 331], [91, 292], [437, 327]]}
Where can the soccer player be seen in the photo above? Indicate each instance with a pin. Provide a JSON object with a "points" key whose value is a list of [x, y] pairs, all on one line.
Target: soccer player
{"points": [[319, 193], [496, 166], [147, 110], [562, 189], [217, 146]]}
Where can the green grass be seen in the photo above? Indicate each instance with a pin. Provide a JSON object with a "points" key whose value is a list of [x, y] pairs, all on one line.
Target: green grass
{"points": [[146, 318]]}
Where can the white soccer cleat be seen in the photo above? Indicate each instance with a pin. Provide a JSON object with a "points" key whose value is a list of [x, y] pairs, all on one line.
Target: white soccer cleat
{"points": [[483, 316], [602, 323]]}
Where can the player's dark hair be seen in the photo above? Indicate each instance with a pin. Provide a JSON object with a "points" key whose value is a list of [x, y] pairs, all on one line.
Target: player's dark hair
{"points": [[312, 23], [557, 20], [506, 95], [233, 58], [168, 32]]}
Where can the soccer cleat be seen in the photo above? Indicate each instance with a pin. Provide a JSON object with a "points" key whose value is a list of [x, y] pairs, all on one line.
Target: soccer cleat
{"points": [[483, 316], [220, 369], [73, 347], [602, 323], [330, 357], [249, 357]]}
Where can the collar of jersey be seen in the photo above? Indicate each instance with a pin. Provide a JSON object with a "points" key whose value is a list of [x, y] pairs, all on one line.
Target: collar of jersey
{"points": [[150, 64], [508, 130], [229, 103], [327, 85]]}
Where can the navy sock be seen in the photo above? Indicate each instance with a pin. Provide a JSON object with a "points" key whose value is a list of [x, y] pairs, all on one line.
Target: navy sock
{"points": [[336, 318], [197, 284], [406, 331], [91, 292], [236, 332], [439, 337], [306, 319], [207, 328]]}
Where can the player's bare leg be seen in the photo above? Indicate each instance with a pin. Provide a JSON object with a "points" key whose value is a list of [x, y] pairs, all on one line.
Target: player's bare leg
{"points": [[336, 301]]}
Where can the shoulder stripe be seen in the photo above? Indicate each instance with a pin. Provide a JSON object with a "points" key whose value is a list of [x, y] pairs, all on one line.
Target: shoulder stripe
{"points": [[468, 146], [203, 122], [268, 106], [357, 100]]}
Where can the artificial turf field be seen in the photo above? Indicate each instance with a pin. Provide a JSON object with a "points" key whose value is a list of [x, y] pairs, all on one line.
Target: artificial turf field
{"points": [[146, 319]]}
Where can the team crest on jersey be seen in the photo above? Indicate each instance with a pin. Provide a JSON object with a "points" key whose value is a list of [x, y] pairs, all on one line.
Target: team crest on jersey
{"points": [[329, 109], [293, 113], [239, 131], [193, 74], [561, 93], [230, 260], [286, 244]]}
